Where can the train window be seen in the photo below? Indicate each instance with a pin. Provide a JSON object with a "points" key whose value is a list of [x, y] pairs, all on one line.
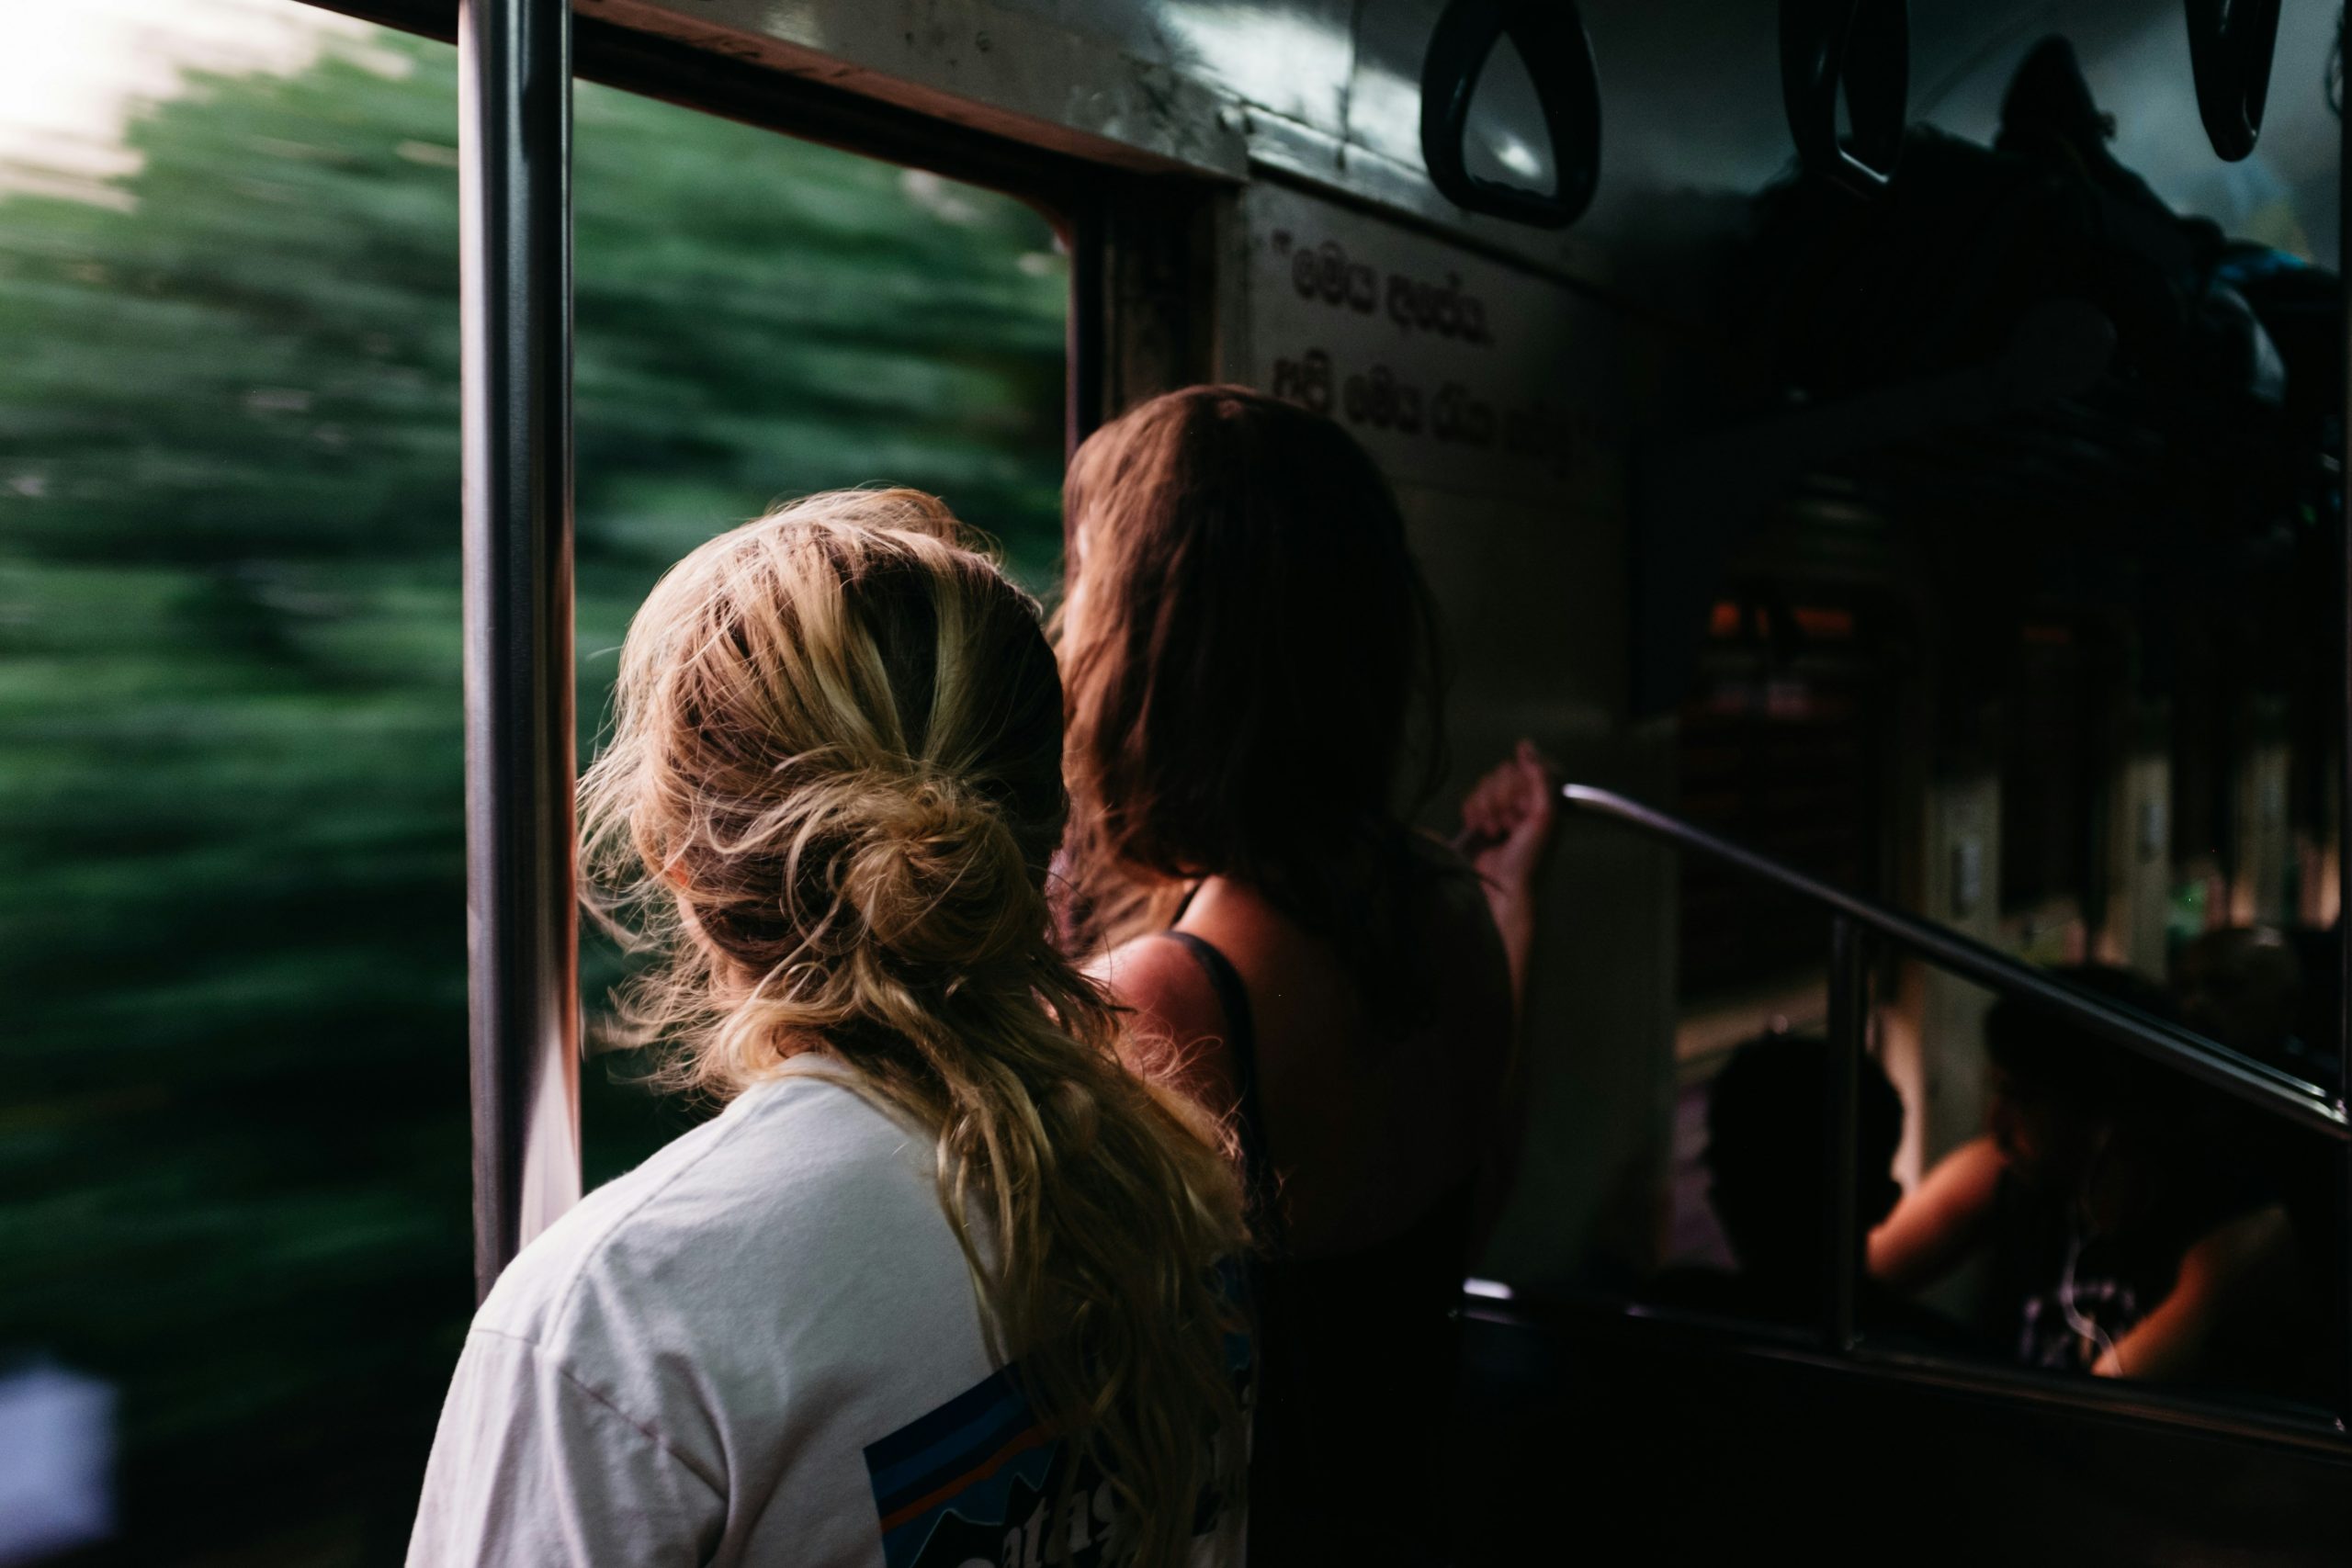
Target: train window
{"points": [[235, 1132], [1779, 747], [2047, 760], [2102, 1217], [2201, 752], [2105, 1215], [760, 318], [2105, 749]]}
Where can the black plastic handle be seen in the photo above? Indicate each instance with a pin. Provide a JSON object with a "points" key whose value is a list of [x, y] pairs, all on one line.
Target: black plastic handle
{"points": [[1550, 38], [1864, 47], [2230, 46]]}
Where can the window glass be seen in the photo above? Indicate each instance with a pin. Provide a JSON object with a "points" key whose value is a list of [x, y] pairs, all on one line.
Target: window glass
{"points": [[2036, 1201]]}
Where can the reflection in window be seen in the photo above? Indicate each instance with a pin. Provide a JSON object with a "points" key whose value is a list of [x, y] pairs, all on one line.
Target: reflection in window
{"points": [[2117, 1218], [2111, 1218]]}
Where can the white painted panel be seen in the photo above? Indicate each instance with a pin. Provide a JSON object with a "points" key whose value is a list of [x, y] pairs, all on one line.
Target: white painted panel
{"points": [[1456, 371]]}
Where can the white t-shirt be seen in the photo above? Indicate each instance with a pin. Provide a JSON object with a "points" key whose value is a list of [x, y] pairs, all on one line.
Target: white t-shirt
{"points": [[762, 1346]]}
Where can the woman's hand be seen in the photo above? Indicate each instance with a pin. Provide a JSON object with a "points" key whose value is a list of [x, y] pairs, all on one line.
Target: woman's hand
{"points": [[1507, 823], [1508, 818]]}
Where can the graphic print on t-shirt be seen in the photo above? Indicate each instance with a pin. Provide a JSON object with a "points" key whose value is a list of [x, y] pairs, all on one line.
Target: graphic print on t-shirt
{"points": [[978, 1480], [977, 1483]]}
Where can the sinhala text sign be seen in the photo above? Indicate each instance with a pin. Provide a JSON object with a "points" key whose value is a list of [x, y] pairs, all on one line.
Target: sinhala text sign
{"points": [[1456, 371]]}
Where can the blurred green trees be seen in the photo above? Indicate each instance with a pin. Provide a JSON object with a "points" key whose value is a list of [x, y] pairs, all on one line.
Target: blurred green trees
{"points": [[233, 1146]]}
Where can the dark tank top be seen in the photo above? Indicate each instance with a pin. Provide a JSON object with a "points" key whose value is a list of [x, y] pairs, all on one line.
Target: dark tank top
{"points": [[1358, 1353]]}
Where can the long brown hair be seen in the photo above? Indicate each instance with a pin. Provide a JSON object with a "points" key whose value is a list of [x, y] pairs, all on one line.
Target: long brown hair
{"points": [[831, 796], [1245, 642]]}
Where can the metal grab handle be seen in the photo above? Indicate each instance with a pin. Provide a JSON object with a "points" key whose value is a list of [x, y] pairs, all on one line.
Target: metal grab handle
{"points": [[2267, 1088], [1864, 47], [2230, 46], [1550, 38]]}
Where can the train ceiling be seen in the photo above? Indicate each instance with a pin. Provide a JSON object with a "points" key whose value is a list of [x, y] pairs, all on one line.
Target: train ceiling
{"points": [[1692, 118]]}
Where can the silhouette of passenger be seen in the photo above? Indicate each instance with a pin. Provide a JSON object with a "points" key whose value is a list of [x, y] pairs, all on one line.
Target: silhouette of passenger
{"points": [[1771, 1153], [2129, 1233], [1770, 1161]]}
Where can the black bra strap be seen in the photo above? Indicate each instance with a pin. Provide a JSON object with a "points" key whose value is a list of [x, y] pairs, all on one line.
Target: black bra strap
{"points": [[1242, 1045]]}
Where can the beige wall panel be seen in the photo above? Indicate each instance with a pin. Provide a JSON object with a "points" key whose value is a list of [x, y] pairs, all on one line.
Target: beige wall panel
{"points": [[1494, 398]]}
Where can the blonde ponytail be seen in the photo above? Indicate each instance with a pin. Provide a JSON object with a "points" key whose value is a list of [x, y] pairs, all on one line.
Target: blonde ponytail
{"points": [[830, 797]]}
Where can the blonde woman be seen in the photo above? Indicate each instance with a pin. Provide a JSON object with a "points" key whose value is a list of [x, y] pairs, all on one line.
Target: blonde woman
{"points": [[942, 1282]]}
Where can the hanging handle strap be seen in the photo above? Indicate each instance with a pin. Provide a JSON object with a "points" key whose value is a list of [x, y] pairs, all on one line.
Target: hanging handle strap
{"points": [[2230, 46], [1862, 47], [1550, 38]]}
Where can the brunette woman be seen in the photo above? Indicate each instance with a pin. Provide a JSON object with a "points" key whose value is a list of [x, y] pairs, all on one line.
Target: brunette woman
{"points": [[942, 1282], [1248, 646]]}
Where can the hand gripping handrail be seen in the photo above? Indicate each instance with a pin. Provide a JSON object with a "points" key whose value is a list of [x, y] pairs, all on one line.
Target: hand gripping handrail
{"points": [[2273, 1092]]}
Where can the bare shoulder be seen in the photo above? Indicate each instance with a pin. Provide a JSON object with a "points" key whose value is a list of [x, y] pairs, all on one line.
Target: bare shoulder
{"points": [[1176, 1023], [1162, 983]]}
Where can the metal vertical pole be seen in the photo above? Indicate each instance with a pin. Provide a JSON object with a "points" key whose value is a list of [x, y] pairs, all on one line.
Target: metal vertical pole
{"points": [[1849, 1026], [515, 192]]}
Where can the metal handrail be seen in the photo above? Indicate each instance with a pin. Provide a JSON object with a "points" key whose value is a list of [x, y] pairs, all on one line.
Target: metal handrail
{"points": [[2267, 1088]]}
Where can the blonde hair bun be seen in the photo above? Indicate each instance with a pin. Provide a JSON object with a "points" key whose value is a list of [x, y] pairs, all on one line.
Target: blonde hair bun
{"points": [[936, 873]]}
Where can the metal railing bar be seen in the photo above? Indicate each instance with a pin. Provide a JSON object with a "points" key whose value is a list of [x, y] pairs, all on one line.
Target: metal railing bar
{"points": [[2276, 1093], [514, 202]]}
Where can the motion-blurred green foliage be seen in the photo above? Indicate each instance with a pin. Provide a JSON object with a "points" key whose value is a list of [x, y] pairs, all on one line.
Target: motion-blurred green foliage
{"points": [[234, 1172]]}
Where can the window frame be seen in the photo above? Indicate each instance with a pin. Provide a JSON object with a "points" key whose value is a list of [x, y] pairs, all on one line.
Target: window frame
{"points": [[515, 152]]}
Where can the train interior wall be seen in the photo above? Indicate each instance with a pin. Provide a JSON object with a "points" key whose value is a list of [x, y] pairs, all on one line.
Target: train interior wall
{"points": [[1515, 449], [2020, 783]]}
